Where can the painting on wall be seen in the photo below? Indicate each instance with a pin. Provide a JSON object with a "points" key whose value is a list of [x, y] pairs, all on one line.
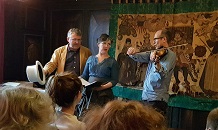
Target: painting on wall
{"points": [[194, 40], [33, 49]]}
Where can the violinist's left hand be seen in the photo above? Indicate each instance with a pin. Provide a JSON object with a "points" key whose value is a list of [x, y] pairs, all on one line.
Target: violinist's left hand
{"points": [[153, 55]]}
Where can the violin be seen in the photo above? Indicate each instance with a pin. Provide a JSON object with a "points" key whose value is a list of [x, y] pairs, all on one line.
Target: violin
{"points": [[161, 53]]}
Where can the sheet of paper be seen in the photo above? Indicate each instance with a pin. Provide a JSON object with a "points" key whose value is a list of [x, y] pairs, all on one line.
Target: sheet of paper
{"points": [[84, 82], [13, 84]]}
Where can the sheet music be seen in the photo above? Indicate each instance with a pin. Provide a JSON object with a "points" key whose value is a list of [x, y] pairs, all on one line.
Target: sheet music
{"points": [[84, 82], [13, 84]]}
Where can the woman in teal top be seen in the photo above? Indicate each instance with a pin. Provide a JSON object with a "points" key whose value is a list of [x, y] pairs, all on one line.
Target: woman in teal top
{"points": [[102, 68]]}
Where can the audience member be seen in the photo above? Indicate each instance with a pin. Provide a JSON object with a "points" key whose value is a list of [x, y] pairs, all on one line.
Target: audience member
{"points": [[25, 108], [121, 115], [212, 120], [65, 90], [102, 68], [71, 57]]}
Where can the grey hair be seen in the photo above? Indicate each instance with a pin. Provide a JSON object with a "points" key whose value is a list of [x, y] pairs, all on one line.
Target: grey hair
{"points": [[74, 30]]}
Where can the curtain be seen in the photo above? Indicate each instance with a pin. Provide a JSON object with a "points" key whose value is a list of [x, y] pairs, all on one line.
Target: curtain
{"points": [[1, 39], [156, 8], [99, 23]]}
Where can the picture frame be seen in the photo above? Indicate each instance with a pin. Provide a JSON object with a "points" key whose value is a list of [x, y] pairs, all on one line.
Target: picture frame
{"points": [[33, 49]]}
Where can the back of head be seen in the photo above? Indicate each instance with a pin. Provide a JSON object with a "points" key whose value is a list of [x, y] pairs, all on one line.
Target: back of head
{"points": [[63, 88], [121, 115], [166, 33], [74, 30], [212, 120], [24, 109]]}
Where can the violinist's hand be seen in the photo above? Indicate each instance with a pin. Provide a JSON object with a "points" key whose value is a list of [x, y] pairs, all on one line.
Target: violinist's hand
{"points": [[131, 51], [153, 55]]}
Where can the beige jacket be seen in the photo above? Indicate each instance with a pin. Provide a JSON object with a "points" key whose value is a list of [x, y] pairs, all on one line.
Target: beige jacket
{"points": [[59, 57]]}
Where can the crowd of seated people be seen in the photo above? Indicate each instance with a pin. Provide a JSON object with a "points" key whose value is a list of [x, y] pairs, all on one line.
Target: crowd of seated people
{"points": [[27, 108]]}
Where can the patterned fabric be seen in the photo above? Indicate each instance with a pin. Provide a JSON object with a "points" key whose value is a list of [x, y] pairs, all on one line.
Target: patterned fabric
{"points": [[195, 23]]}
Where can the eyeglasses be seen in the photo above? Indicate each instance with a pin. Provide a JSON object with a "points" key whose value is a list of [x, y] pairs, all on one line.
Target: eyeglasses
{"points": [[157, 38], [76, 40]]}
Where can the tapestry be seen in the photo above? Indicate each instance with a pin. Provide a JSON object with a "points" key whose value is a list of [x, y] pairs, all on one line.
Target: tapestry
{"points": [[194, 40]]}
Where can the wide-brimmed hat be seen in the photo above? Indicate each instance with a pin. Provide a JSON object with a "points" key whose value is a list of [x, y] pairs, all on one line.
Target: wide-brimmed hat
{"points": [[35, 73]]}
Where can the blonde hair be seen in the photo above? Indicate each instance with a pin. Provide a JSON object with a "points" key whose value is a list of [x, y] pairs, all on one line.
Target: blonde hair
{"points": [[24, 108], [121, 115]]}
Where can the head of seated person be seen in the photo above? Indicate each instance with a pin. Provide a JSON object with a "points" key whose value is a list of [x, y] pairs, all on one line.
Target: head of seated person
{"points": [[65, 89], [212, 120], [121, 115], [24, 108]]}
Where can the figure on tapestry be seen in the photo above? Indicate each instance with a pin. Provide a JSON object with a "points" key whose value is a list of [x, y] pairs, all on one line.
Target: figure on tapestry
{"points": [[184, 62], [128, 67], [208, 81]]}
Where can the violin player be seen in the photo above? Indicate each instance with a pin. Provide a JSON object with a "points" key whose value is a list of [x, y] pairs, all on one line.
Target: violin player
{"points": [[161, 63]]}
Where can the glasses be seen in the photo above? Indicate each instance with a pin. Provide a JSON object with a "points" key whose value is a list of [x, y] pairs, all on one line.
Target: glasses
{"points": [[157, 38], [76, 40]]}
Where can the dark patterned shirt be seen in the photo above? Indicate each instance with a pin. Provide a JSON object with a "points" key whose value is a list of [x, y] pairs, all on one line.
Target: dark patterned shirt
{"points": [[72, 63]]}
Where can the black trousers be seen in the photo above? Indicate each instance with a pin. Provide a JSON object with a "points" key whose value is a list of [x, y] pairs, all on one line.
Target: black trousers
{"points": [[160, 106]]}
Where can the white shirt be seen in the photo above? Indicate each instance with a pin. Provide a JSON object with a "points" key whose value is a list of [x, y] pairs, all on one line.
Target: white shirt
{"points": [[67, 121]]}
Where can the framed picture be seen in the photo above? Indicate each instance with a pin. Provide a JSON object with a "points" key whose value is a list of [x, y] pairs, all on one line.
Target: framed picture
{"points": [[33, 49], [35, 19]]}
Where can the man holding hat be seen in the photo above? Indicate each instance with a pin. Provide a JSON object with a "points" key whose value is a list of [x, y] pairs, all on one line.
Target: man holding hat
{"points": [[71, 57]]}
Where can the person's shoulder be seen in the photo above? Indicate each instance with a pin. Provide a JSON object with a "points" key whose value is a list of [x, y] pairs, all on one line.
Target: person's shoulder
{"points": [[172, 54], [92, 57], [68, 121], [61, 48], [112, 58]]}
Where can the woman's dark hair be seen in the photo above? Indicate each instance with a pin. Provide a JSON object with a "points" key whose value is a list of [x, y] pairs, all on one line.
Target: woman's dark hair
{"points": [[63, 88], [103, 37]]}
